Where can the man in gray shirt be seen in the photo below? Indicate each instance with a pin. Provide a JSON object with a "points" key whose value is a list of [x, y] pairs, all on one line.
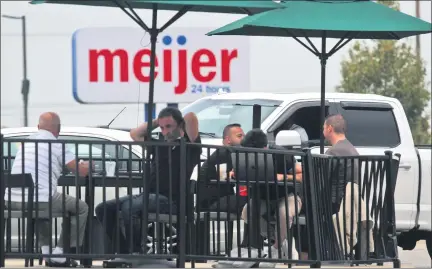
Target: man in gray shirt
{"points": [[334, 130]]}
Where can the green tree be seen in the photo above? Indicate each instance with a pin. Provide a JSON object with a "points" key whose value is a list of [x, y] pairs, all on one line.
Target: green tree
{"points": [[390, 68]]}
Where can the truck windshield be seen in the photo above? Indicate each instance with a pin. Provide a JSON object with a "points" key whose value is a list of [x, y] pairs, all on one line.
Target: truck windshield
{"points": [[214, 115]]}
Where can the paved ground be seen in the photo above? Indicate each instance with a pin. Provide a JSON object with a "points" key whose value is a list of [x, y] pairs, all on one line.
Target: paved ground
{"points": [[20, 264], [417, 258]]}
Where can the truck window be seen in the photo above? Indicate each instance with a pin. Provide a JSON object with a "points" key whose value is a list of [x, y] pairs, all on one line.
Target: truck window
{"points": [[214, 114], [369, 127], [307, 117]]}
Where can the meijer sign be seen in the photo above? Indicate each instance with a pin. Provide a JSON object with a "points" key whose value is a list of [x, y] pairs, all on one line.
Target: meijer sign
{"points": [[112, 65]]}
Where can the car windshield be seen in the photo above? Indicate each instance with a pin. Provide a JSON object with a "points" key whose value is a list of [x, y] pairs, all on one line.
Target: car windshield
{"points": [[214, 114]]}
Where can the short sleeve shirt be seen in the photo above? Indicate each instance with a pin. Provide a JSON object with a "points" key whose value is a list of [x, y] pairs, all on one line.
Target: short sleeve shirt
{"points": [[209, 168], [43, 174], [342, 148], [211, 192], [166, 167]]}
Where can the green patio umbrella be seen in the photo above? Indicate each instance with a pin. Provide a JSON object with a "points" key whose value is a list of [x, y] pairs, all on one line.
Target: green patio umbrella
{"points": [[182, 7], [343, 19]]}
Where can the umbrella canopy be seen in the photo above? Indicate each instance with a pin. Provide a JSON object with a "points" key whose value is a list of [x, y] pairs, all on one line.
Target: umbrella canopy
{"points": [[362, 19], [224, 6], [182, 7], [345, 20]]}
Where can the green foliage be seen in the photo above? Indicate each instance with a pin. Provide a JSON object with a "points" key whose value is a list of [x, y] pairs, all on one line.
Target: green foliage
{"points": [[390, 3], [390, 68]]}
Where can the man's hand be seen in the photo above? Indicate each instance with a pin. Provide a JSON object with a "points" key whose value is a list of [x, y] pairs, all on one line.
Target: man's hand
{"points": [[290, 177], [84, 168], [92, 165], [140, 133], [280, 177]]}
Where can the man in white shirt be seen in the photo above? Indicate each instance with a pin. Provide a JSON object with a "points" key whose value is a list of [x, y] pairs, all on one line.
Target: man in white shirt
{"points": [[49, 129]]}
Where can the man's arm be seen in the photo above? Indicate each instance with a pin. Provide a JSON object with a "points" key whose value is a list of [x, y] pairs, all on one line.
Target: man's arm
{"points": [[139, 133], [209, 167], [207, 171], [83, 167], [191, 126], [290, 177]]}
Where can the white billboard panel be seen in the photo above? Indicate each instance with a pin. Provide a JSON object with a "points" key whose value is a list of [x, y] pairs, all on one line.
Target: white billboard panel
{"points": [[111, 65]]}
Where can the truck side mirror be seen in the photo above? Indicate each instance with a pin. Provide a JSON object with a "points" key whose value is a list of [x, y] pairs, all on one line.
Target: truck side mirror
{"points": [[288, 139]]}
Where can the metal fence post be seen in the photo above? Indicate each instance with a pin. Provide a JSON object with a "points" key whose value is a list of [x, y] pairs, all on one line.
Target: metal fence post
{"points": [[2, 207], [311, 211], [182, 206], [390, 206]]}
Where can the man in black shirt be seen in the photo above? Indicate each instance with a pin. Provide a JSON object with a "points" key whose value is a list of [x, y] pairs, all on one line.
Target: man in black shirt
{"points": [[210, 195], [165, 170], [286, 168]]}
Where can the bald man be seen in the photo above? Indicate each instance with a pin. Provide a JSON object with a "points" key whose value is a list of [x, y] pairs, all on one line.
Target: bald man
{"points": [[49, 129]]}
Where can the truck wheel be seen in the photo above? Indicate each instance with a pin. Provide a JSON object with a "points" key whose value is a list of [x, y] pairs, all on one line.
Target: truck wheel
{"points": [[429, 246]]}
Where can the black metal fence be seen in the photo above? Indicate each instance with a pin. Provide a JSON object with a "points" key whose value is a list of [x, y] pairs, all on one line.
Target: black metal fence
{"points": [[356, 215], [149, 205]]}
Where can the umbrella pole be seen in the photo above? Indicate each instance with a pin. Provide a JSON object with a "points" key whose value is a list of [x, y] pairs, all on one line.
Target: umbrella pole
{"points": [[153, 38], [323, 59], [154, 32]]}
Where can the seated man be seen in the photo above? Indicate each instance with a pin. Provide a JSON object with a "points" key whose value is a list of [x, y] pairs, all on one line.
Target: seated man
{"points": [[285, 168], [210, 196], [257, 139], [163, 165], [47, 175], [334, 130]]}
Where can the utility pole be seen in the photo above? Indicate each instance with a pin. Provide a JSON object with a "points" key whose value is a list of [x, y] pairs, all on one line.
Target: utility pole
{"points": [[25, 84], [417, 7]]}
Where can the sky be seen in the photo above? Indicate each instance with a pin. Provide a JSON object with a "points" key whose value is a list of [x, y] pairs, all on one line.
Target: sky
{"points": [[276, 64]]}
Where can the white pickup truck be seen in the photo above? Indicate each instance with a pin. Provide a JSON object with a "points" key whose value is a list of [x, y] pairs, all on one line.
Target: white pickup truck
{"points": [[375, 124]]}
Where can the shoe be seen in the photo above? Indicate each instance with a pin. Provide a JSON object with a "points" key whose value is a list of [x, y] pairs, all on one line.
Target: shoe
{"points": [[123, 262], [226, 263], [67, 263], [274, 255], [245, 253], [222, 265], [294, 253]]}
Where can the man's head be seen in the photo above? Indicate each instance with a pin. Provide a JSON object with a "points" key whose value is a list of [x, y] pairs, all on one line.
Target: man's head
{"points": [[255, 138], [334, 128], [232, 135], [50, 121], [171, 122]]}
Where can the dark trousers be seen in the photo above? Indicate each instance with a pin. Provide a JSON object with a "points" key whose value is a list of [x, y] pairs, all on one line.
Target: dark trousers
{"points": [[126, 208], [302, 243]]}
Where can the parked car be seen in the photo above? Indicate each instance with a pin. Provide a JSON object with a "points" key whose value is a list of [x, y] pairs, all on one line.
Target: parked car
{"points": [[375, 124]]}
